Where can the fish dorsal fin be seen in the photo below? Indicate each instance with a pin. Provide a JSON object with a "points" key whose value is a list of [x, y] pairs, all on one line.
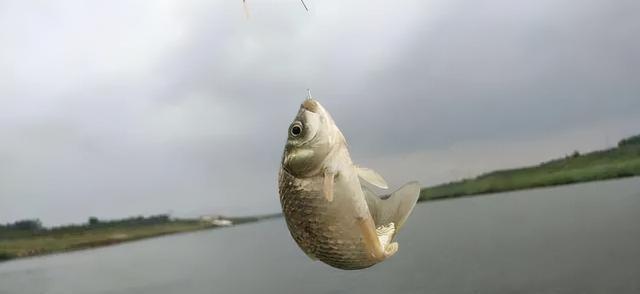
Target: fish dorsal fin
{"points": [[394, 209], [372, 177]]}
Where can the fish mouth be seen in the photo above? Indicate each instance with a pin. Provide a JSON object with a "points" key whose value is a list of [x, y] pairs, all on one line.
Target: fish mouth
{"points": [[311, 105]]}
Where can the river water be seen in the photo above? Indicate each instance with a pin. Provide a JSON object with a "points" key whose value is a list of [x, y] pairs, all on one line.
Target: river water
{"points": [[572, 239]]}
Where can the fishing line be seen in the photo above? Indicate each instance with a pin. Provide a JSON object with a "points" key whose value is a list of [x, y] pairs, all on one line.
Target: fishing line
{"points": [[248, 15], [246, 9]]}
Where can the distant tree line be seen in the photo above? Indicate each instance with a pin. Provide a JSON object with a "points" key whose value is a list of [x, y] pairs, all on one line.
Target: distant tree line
{"points": [[23, 225], [635, 140], [134, 220], [28, 227]]}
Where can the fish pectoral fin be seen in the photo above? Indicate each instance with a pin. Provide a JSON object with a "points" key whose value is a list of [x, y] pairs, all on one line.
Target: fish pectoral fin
{"points": [[327, 185], [372, 177], [371, 240]]}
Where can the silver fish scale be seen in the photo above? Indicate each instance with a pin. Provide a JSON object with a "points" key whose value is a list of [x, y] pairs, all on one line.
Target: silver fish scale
{"points": [[317, 225]]}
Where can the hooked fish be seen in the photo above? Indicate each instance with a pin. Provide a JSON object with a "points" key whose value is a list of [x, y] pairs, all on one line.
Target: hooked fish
{"points": [[330, 214]]}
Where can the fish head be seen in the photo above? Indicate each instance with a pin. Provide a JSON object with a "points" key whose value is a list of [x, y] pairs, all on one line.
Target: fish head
{"points": [[311, 137]]}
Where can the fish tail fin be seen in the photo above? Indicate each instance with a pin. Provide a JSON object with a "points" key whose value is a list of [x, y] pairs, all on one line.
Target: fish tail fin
{"points": [[394, 208]]}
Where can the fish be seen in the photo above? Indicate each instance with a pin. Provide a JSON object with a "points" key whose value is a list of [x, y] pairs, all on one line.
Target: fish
{"points": [[331, 215]]}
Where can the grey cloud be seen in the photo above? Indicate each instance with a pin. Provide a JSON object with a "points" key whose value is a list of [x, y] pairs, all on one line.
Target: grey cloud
{"points": [[496, 71], [118, 110]]}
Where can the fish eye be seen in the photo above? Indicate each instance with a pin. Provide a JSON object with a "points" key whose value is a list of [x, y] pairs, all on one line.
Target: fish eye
{"points": [[296, 129]]}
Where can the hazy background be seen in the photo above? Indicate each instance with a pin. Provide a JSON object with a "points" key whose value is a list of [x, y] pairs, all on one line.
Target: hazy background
{"points": [[120, 108]]}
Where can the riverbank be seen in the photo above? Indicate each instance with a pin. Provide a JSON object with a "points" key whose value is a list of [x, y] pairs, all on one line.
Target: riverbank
{"points": [[46, 243], [26, 243], [622, 161]]}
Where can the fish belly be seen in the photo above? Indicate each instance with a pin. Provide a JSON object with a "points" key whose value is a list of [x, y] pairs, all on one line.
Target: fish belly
{"points": [[324, 230]]}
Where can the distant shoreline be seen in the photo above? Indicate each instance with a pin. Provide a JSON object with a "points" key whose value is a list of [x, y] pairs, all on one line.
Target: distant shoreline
{"points": [[521, 190], [100, 242], [619, 162], [60, 240]]}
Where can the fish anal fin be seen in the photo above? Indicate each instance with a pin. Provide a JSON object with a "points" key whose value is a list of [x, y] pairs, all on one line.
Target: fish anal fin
{"points": [[386, 233], [371, 240]]}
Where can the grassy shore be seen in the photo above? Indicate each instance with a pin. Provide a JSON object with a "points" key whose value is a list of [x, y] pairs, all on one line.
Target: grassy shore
{"points": [[51, 242], [16, 243], [622, 161]]}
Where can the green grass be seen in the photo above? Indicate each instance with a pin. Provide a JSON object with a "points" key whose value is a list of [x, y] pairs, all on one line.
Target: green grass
{"points": [[51, 242], [22, 242], [623, 161]]}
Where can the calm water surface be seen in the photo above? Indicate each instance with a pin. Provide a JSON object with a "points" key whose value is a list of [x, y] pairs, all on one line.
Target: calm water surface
{"points": [[572, 239]]}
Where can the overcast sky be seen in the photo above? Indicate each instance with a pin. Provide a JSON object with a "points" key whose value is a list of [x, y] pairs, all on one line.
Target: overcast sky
{"points": [[119, 108]]}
